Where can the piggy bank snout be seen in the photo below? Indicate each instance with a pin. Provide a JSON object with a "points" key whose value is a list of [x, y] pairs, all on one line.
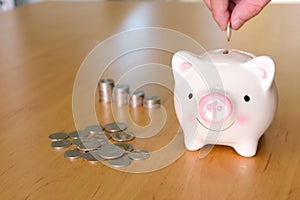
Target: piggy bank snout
{"points": [[215, 108]]}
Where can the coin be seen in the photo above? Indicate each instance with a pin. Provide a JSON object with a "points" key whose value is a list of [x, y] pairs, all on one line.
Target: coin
{"points": [[110, 152], [152, 102], [138, 155], [102, 138], [92, 157], [58, 136], [93, 129], [124, 145], [78, 134], [228, 31], [115, 127], [123, 136], [60, 144], [88, 144], [120, 162], [72, 154]]}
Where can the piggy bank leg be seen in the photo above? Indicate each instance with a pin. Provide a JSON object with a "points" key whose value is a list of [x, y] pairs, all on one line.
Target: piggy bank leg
{"points": [[247, 149], [194, 145]]}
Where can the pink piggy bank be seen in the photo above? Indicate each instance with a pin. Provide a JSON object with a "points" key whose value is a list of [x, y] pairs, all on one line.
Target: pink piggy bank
{"points": [[225, 97]]}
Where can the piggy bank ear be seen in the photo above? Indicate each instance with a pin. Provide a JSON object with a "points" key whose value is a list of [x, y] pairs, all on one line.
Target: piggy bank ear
{"points": [[264, 68], [182, 61]]}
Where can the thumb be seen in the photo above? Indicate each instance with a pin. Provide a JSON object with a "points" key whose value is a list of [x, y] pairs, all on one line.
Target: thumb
{"points": [[245, 10]]}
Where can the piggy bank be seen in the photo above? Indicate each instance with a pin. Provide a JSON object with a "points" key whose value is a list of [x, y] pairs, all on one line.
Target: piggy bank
{"points": [[224, 97]]}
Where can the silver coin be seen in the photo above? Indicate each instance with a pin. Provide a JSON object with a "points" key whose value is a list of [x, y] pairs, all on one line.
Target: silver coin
{"points": [[124, 145], [88, 144], [138, 155], [58, 136], [101, 138], [72, 154], [78, 134], [60, 144], [93, 129], [120, 162], [152, 102], [92, 157], [110, 152], [123, 136], [115, 127], [228, 31]]}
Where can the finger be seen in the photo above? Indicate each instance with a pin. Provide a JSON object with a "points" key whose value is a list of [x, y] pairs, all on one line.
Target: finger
{"points": [[245, 10], [220, 12]]}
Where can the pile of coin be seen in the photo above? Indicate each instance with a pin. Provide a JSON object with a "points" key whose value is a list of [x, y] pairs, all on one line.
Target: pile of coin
{"points": [[120, 95], [98, 144]]}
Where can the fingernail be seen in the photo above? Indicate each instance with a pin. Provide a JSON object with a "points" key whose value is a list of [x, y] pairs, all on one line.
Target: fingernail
{"points": [[236, 24]]}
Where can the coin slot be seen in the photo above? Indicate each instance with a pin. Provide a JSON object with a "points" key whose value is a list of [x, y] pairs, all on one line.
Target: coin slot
{"points": [[226, 52]]}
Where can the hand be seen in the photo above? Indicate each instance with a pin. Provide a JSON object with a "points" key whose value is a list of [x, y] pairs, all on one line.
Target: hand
{"points": [[237, 11]]}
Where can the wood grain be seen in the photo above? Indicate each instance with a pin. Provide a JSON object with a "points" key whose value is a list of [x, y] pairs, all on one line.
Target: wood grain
{"points": [[43, 46]]}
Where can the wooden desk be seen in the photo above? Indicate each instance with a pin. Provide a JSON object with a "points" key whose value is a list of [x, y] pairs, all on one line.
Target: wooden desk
{"points": [[41, 49]]}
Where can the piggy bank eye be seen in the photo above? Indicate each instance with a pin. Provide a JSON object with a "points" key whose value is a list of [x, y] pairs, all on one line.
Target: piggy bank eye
{"points": [[190, 96], [246, 98]]}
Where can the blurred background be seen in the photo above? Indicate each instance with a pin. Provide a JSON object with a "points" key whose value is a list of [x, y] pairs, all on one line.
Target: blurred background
{"points": [[6, 5]]}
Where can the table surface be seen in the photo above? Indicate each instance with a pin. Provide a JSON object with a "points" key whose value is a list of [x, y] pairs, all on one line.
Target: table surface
{"points": [[42, 47]]}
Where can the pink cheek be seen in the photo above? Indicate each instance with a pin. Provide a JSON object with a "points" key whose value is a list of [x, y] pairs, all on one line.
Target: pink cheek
{"points": [[242, 119]]}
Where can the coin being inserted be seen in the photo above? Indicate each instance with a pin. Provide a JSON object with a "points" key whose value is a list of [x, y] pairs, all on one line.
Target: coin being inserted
{"points": [[228, 31], [60, 144], [123, 136], [58, 136], [115, 127]]}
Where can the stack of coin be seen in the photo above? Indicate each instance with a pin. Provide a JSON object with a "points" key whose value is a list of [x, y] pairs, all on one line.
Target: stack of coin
{"points": [[120, 94], [105, 87], [136, 98], [152, 102]]}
